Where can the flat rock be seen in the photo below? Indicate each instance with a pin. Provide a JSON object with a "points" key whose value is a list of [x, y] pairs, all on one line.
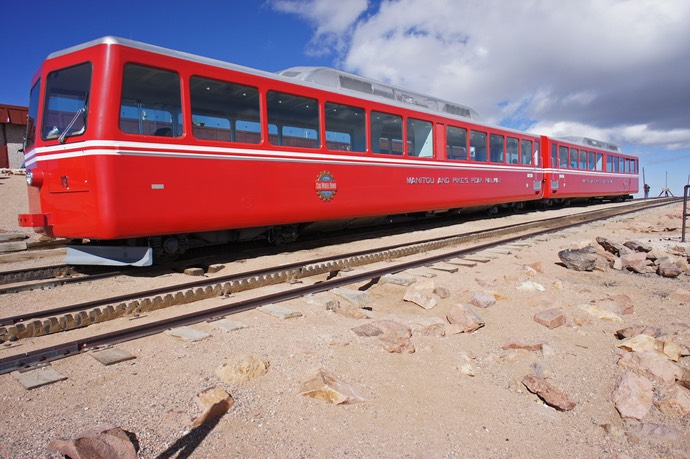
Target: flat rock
{"points": [[367, 330], [279, 311], [601, 313], [584, 259], [633, 396], [229, 325], [395, 336], [355, 297], [548, 393], [483, 300], [398, 279], [101, 442], [464, 318], [635, 261], [242, 369], [675, 401], [324, 385], [667, 267], [517, 344], [421, 294], [214, 403], [187, 333], [652, 366], [112, 356], [646, 343], [445, 267], [609, 245], [531, 286], [39, 377], [194, 271], [550, 318]]}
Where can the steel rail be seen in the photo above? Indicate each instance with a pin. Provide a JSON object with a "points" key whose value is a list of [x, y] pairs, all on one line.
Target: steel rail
{"points": [[28, 360], [298, 269]]}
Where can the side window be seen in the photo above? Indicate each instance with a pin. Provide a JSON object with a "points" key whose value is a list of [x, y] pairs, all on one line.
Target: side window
{"points": [[536, 153], [66, 101], [512, 150], [478, 146], [33, 113], [386, 133], [295, 120], [345, 128], [609, 163], [554, 155], [420, 138], [526, 152], [591, 161], [456, 142], [224, 111], [615, 164], [573, 159], [496, 148], [151, 102], [563, 156]]}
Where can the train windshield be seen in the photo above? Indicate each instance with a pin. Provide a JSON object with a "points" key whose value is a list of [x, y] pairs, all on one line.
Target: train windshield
{"points": [[66, 102], [33, 111]]}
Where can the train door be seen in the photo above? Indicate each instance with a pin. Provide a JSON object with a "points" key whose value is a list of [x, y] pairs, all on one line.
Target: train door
{"points": [[538, 169]]}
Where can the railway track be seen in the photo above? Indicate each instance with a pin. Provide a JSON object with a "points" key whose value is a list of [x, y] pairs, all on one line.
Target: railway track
{"points": [[81, 315]]}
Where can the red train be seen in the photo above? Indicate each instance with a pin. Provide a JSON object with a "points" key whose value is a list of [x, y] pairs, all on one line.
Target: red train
{"points": [[138, 151]]}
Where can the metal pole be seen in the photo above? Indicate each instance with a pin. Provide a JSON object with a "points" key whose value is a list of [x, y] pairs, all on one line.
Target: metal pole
{"points": [[686, 189]]}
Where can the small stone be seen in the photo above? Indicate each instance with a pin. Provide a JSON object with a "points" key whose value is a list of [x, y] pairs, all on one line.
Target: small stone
{"points": [[367, 330], [395, 337], [601, 313], [609, 245], [668, 268], [482, 300], [326, 386], [633, 396], [215, 268], [675, 401], [530, 286], [515, 344], [102, 441], [584, 259], [194, 271], [550, 318], [421, 296], [548, 393], [465, 318], [635, 261], [638, 246], [242, 369], [214, 403]]}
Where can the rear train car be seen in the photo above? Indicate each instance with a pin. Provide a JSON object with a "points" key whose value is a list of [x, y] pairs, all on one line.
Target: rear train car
{"points": [[584, 169], [135, 151]]}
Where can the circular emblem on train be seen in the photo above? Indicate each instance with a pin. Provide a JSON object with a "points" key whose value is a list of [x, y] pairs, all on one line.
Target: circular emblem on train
{"points": [[326, 186]]}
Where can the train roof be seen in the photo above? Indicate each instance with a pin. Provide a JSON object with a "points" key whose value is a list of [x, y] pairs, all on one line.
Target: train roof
{"points": [[586, 141], [341, 80], [309, 76]]}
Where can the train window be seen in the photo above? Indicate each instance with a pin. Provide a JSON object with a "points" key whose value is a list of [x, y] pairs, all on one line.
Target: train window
{"points": [[386, 133], [456, 142], [573, 159], [345, 128], [609, 163], [297, 120], [151, 102], [33, 113], [563, 157], [621, 161], [512, 153], [615, 164], [496, 150], [478, 146], [219, 107], [554, 155], [526, 152], [536, 153], [599, 165], [591, 160], [66, 102], [420, 138]]}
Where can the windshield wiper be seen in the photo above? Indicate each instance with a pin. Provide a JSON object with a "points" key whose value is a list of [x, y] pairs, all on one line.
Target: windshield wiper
{"points": [[62, 137]]}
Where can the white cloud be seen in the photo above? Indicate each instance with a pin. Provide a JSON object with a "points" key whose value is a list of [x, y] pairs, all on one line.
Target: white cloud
{"points": [[611, 69]]}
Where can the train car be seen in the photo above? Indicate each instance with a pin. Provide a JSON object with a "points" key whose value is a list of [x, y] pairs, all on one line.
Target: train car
{"points": [[134, 150], [581, 168]]}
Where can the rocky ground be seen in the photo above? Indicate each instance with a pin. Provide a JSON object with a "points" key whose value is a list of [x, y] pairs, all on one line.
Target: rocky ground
{"points": [[524, 354]]}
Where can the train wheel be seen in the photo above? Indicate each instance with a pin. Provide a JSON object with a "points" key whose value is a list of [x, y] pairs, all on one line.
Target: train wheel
{"points": [[168, 249]]}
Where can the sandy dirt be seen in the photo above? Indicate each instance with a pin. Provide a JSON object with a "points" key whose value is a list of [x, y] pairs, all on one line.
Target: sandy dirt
{"points": [[424, 404]]}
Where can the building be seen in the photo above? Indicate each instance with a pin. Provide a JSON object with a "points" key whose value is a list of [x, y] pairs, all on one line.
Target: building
{"points": [[12, 131]]}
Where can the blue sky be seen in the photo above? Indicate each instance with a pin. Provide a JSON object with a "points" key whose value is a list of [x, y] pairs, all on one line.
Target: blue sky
{"points": [[615, 70]]}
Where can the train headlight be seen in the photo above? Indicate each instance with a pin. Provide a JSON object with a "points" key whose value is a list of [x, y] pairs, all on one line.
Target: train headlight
{"points": [[34, 177]]}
